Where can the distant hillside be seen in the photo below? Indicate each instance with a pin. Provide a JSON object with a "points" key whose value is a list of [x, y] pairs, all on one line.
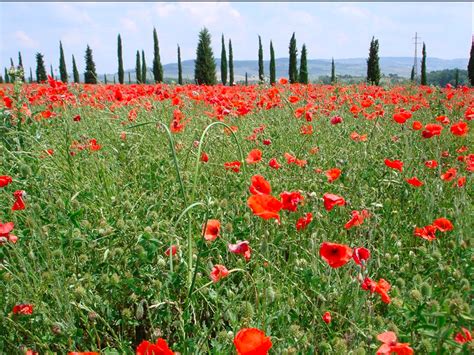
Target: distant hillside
{"points": [[316, 67]]}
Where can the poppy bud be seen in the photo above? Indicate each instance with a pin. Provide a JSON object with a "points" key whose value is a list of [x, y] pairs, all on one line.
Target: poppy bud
{"points": [[416, 295], [359, 351], [340, 346], [56, 329], [325, 348]]}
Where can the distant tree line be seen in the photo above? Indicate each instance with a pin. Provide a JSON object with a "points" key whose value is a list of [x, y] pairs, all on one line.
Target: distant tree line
{"points": [[205, 67]]}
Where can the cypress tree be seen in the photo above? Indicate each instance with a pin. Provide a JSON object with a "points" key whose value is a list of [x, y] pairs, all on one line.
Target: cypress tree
{"points": [[7, 77], [272, 65], [246, 79], [261, 75], [90, 76], [333, 71], [180, 68], [1, 79], [40, 69], [11, 63], [105, 79], [143, 67], [120, 59], [373, 67], [470, 66], [51, 71], [114, 80], [157, 67], [303, 79], [223, 63], [293, 69], [456, 78], [129, 78], [423, 66], [75, 72], [62, 64], [20, 65], [204, 66], [30, 80], [138, 69], [231, 64], [412, 74]]}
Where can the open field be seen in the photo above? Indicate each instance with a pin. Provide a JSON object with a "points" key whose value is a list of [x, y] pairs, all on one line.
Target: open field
{"points": [[352, 200]]}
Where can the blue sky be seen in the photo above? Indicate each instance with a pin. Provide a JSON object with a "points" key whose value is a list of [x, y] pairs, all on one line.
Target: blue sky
{"points": [[339, 30]]}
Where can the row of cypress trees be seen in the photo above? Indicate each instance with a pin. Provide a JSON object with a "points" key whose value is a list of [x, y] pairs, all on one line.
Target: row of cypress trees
{"points": [[205, 71]]}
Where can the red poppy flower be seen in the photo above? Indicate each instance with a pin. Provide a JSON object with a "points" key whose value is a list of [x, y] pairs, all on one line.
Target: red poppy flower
{"points": [[254, 156], [443, 119], [260, 186], [357, 219], [265, 206], [402, 117], [414, 182], [449, 174], [252, 341], [427, 232], [394, 164], [172, 250], [5, 235], [5, 180], [8, 102], [77, 118], [159, 348], [303, 222], [461, 181], [241, 248], [431, 164], [211, 229], [381, 287], [267, 142], [306, 130], [293, 99], [333, 174], [336, 120], [204, 157], [218, 272], [336, 255], [19, 204], [233, 165], [431, 130], [290, 159], [459, 129], [85, 353], [283, 81], [327, 317], [290, 200], [93, 146], [463, 337], [273, 163], [356, 137], [23, 309], [361, 255], [443, 224], [390, 345], [417, 125], [331, 200]]}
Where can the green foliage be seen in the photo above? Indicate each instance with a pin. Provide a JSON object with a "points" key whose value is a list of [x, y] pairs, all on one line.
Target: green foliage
{"points": [[470, 66], [143, 68], [40, 69], [75, 72], [180, 68], [223, 63], [231, 64], [90, 75], [1, 79], [423, 79], [120, 60], [261, 74], [157, 67], [447, 76], [246, 79], [272, 65], [333, 71], [303, 74], [51, 71], [30, 79], [62, 64], [7, 77], [412, 74], [373, 66], [138, 69], [20, 65], [204, 66], [293, 66]]}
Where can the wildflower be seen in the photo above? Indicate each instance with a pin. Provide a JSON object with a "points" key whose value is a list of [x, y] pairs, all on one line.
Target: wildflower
{"points": [[265, 206], [390, 345], [25, 309], [241, 248], [211, 229], [327, 317], [333, 174], [303, 222], [159, 348], [254, 156], [394, 164], [218, 272], [336, 255], [463, 337], [290, 200], [252, 341], [357, 219], [414, 181], [260, 186], [19, 204], [5, 180], [331, 200]]}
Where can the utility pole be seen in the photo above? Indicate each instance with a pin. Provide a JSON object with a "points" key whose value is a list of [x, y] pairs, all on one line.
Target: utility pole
{"points": [[415, 65]]}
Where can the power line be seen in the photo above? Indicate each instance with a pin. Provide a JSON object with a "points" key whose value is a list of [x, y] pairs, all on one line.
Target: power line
{"points": [[415, 63]]}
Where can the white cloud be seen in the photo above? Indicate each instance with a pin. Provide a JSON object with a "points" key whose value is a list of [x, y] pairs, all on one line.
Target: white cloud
{"points": [[26, 40], [128, 24]]}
